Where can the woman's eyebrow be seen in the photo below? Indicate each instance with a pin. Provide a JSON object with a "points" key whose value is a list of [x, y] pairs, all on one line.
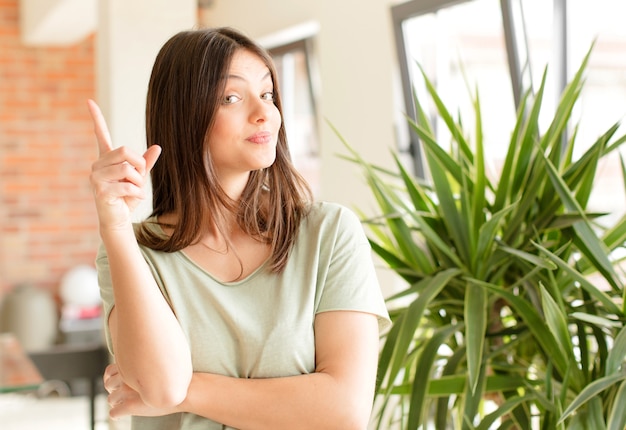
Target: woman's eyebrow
{"points": [[241, 78]]}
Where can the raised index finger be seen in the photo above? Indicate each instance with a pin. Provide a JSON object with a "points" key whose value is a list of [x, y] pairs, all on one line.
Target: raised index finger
{"points": [[100, 128]]}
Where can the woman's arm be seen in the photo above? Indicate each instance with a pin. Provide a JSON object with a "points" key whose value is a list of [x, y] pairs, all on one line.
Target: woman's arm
{"points": [[338, 395], [150, 348]]}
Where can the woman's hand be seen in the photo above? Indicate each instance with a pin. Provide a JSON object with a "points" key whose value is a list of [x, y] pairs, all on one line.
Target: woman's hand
{"points": [[118, 176], [123, 400]]}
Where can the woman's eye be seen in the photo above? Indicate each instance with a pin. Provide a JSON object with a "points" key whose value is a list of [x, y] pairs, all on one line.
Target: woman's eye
{"points": [[230, 99], [268, 96]]}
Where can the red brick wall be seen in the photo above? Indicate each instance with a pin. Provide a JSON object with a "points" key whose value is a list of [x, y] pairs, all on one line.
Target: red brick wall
{"points": [[47, 218]]}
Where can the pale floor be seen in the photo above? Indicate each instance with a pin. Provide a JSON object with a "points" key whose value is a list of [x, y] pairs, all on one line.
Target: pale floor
{"points": [[26, 412]]}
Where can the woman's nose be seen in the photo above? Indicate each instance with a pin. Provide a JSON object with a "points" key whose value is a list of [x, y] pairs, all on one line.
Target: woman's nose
{"points": [[261, 110]]}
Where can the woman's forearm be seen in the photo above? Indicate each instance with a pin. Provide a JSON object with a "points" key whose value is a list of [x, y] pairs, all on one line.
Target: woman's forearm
{"points": [[315, 401], [149, 345], [338, 395]]}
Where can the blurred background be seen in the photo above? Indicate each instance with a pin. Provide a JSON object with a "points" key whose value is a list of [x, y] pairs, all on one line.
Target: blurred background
{"points": [[348, 63]]}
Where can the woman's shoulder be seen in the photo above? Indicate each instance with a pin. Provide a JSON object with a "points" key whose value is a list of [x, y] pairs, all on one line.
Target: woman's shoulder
{"points": [[330, 210], [333, 216]]}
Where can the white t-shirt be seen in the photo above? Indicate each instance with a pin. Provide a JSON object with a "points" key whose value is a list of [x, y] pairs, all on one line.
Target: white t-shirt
{"points": [[262, 326]]}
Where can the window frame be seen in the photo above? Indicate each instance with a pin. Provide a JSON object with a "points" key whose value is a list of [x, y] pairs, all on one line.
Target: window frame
{"points": [[519, 70]]}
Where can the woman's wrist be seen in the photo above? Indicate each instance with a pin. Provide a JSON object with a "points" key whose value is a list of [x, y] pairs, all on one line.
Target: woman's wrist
{"points": [[112, 232], [199, 385]]}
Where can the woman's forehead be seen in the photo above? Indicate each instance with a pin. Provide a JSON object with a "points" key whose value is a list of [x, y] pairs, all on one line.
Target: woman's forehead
{"points": [[248, 66]]}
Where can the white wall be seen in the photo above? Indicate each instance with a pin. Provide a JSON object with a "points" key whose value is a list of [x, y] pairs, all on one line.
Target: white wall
{"points": [[356, 60]]}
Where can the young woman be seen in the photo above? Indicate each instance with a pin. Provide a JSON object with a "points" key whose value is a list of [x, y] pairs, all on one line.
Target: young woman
{"points": [[239, 303]]}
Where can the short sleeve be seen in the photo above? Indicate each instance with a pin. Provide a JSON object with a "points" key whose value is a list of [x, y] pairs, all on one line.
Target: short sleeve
{"points": [[106, 290], [351, 282]]}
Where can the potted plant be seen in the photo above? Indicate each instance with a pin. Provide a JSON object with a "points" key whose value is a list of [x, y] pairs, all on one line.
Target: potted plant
{"points": [[513, 312]]}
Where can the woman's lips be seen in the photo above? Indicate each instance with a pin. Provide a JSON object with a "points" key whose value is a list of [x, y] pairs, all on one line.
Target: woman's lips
{"points": [[260, 137]]}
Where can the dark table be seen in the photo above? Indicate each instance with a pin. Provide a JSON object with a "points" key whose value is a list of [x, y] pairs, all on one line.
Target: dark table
{"points": [[67, 362]]}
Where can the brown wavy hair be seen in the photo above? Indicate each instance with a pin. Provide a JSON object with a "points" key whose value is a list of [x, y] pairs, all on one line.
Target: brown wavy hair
{"points": [[184, 93]]}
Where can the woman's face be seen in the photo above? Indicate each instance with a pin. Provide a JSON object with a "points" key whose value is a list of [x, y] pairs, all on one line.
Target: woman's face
{"points": [[245, 132]]}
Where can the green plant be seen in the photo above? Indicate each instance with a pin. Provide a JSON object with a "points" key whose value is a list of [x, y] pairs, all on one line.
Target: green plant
{"points": [[513, 314]]}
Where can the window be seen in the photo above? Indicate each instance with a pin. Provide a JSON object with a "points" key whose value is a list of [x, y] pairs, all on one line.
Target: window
{"points": [[501, 47]]}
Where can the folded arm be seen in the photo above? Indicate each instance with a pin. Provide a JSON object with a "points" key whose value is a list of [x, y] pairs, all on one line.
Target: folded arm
{"points": [[338, 395], [150, 348]]}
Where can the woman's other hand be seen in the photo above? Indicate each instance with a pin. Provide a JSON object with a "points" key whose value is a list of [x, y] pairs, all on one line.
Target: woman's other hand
{"points": [[123, 400], [119, 176]]}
